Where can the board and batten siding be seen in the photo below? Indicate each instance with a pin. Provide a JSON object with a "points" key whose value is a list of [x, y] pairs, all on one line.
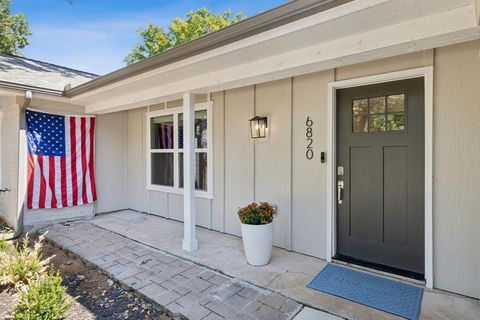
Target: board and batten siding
{"points": [[456, 189], [308, 176], [111, 161], [273, 155]]}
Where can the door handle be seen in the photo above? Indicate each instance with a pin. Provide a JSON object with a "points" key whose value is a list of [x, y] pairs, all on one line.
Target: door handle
{"points": [[4, 189], [340, 186]]}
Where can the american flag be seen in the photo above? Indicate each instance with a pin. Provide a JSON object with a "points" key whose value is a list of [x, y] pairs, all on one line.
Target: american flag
{"points": [[60, 160]]}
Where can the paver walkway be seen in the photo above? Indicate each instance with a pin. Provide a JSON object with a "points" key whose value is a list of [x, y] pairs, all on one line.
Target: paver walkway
{"points": [[288, 273], [179, 286]]}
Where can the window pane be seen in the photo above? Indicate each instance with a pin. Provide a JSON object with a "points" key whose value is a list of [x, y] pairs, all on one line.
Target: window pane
{"points": [[200, 129], [396, 103], [201, 173], [360, 107], [396, 122], [377, 123], [180, 131], [377, 105], [162, 169], [161, 132], [360, 124]]}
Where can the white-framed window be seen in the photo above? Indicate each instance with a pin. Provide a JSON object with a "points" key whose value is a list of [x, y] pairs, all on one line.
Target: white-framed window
{"points": [[165, 150]]}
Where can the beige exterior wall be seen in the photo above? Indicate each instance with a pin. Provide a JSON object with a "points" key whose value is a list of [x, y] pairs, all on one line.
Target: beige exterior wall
{"points": [[456, 168], [9, 135], [309, 215], [111, 161], [276, 169]]}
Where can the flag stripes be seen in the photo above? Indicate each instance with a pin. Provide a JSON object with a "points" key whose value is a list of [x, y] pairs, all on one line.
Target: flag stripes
{"points": [[60, 178]]}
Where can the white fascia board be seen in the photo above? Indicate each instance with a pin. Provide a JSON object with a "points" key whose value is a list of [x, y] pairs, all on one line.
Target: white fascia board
{"points": [[445, 28]]}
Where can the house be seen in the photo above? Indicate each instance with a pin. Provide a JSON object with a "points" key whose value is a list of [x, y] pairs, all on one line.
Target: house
{"points": [[371, 145]]}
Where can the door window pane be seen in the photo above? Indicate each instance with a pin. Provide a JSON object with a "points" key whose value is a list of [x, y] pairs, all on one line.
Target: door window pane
{"points": [[377, 123], [386, 113], [360, 107], [376, 105], [162, 169], [396, 103], [201, 172], [360, 124], [396, 122], [161, 132]]}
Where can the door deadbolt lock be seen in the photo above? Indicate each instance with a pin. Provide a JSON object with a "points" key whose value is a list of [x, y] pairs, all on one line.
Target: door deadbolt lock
{"points": [[340, 171], [340, 186]]}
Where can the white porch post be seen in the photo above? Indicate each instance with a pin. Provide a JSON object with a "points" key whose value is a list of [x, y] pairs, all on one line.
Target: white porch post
{"points": [[190, 242]]}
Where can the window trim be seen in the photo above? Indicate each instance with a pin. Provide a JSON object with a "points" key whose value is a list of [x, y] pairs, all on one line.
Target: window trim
{"points": [[176, 151]]}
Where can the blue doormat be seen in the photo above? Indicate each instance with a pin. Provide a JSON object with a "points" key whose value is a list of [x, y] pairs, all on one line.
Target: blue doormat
{"points": [[383, 294]]}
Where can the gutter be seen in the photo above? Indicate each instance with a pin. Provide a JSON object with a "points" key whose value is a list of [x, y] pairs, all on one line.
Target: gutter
{"points": [[28, 88], [273, 18]]}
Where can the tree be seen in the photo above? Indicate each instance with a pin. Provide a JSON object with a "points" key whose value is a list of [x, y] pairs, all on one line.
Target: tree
{"points": [[197, 23], [14, 30]]}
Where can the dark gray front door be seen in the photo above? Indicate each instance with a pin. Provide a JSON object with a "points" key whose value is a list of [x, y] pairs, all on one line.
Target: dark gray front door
{"points": [[380, 149]]}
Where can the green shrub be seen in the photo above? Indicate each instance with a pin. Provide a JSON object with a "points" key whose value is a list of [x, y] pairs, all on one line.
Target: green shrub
{"points": [[43, 299], [22, 263], [3, 245]]}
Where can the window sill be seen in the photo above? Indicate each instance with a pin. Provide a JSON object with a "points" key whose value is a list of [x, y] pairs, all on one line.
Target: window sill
{"points": [[198, 194]]}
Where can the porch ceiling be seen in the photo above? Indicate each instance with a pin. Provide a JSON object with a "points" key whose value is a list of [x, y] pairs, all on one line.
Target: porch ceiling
{"points": [[354, 32]]}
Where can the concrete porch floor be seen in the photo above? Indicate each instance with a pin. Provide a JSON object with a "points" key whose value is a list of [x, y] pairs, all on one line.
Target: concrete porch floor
{"points": [[287, 274]]}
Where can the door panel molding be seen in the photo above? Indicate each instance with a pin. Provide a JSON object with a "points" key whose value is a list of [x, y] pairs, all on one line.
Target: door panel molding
{"points": [[427, 74]]}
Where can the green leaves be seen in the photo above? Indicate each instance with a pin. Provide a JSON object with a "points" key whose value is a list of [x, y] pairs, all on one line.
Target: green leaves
{"points": [[14, 30], [44, 298], [197, 23]]}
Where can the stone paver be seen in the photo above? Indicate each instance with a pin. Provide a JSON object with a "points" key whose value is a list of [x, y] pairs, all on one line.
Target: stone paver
{"points": [[312, 314], [179, 286]]}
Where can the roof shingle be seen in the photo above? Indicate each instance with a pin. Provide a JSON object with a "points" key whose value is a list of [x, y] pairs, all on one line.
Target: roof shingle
{"points": [[35, 73]]}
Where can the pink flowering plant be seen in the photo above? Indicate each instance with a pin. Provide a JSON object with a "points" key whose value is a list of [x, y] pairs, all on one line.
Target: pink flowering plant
{"points": [[257, 213]]}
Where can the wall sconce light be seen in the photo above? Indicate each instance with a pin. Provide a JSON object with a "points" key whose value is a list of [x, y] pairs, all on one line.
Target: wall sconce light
{"points": [[258, 127]]}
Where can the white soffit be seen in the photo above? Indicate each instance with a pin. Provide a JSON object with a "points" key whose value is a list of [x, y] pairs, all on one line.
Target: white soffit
{"points": [[359, 31]]}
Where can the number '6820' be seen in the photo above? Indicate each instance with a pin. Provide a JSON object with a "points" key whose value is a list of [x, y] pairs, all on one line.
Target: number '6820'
{"points": [[309, 136]]}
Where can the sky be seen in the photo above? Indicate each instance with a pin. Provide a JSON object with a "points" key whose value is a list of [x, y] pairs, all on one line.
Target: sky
{"points": [[95, 36]]}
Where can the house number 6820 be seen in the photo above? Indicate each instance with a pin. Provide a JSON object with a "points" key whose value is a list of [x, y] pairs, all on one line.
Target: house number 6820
{"points": [[309, 136]]}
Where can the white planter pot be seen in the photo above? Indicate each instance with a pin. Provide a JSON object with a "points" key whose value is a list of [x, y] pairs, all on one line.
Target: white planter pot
{"points": [[257, 243]]}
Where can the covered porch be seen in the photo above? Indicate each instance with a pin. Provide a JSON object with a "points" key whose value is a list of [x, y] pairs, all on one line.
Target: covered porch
{"points": [[287, 274]]}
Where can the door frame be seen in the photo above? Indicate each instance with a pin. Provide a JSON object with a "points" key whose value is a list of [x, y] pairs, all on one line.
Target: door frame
{"points": [[427, 74]]}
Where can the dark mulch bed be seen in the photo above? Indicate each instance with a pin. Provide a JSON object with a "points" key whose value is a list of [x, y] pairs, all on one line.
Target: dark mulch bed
{"points": [[97, 296]]}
